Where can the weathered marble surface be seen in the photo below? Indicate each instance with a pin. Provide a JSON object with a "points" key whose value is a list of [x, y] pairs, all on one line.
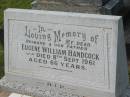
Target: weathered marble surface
{"points": [[36, 91], [64, 6], [53, 74], [86, 6]]}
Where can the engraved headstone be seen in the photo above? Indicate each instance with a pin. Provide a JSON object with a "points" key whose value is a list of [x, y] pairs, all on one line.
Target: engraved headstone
{"points": [[62, 54]]}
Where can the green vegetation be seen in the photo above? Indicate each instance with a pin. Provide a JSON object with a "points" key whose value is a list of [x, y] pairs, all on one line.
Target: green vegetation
{"points": [[12, 4], [4, 4]]}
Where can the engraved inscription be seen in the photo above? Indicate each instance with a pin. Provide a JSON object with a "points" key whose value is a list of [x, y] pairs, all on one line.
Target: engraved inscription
{"points": [[67, 53]]}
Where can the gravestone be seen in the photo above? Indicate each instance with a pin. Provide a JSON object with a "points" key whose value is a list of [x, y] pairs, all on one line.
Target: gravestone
{"points": [[86, 6], [64, 54], [107, 7]]}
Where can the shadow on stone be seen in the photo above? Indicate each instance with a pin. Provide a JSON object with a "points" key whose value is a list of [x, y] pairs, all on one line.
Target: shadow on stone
{"points": [[2, 36]]}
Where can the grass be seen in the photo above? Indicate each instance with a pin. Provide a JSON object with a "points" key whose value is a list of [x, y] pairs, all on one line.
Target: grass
{"points": [[4, 4]]}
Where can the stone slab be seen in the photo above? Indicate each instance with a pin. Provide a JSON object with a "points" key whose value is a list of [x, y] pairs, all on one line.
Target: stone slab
{"points": [[85, 6], [64, 6], [62, 54]]}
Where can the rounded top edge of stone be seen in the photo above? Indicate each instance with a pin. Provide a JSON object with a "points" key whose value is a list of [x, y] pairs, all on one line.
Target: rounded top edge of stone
{"points": [[60, 13]]}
